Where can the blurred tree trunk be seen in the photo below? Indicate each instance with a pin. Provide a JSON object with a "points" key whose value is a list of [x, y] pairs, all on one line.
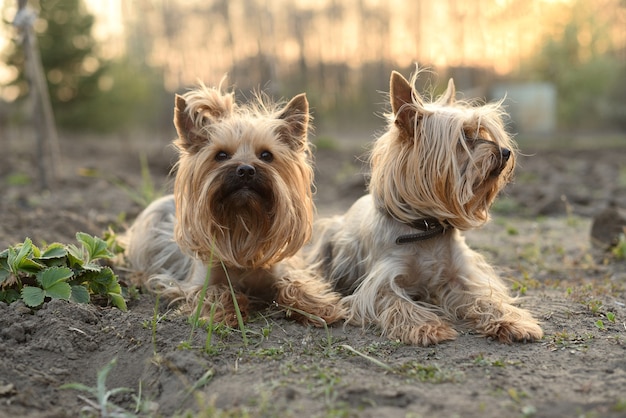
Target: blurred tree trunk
{"points": [[43, 118]]}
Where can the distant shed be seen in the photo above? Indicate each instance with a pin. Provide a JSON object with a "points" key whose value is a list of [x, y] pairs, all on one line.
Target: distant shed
{"points": [[532, 106]]}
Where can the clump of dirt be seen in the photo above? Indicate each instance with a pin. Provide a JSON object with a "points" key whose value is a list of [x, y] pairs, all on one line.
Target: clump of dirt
{"points": [[538, 240]]}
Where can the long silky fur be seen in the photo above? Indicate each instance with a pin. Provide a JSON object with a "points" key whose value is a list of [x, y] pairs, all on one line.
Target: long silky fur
{"points": [[247, 240], [214, 228], [416, 292]]}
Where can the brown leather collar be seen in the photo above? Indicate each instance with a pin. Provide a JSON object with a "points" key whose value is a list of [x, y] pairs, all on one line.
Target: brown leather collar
{"points": [[429, 228]]}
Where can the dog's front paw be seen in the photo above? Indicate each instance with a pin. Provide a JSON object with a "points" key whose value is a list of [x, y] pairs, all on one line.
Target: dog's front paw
{"points": [[518, 331], [308, 298], [424, 335], [219, 307], [311, 314]]}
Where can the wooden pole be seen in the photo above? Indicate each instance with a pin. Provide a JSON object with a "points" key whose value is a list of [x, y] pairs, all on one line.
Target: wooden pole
{"points": [[43, 117]]}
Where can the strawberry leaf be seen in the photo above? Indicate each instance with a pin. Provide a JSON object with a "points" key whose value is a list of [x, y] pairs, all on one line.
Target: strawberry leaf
{"points": [[80, 294], [32, 296], [54, 250], [30, 266], [96, 247], [75, 255], [25, 250], [59, 290], [4, 274], [118, 301], [53, 275]]}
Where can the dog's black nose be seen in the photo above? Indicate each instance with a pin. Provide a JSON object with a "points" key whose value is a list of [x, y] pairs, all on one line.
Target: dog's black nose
{"points": [[506, 153], [246, 171]]}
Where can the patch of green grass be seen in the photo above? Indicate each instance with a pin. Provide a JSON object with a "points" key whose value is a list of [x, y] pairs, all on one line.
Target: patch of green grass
{"points": [[565, 339], [430, 373], [512, 231], [18, 179], [620, 405], [382, 348], [526, 282], [531, 253], [516, 395], [591, 294], [270, 353], [481, 360]]}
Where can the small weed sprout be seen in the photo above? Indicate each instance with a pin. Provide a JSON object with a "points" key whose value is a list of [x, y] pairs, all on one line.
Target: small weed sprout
{"points": [[101, 405], [208, 344], [146, 192], [237, 310], [155, 321], [368, 358], [329, 337]]}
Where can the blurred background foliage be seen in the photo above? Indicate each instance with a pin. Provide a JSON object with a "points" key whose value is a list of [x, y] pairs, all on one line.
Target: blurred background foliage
{"points": [[113, 65]]}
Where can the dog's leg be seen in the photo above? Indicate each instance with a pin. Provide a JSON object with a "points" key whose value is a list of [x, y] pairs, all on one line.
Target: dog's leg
{"points": [[483, 300], [302, 289], [475, 294], [411, 322], [381, 300], [222, 297], [504, 322]]}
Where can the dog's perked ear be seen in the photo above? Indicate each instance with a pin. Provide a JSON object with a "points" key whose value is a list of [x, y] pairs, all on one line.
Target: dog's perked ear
{"points": [[402, 99], [449, 97], [188, 137], [296, 116]]}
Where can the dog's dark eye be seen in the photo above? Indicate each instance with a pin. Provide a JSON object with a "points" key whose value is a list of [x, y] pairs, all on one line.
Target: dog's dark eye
{"points": [[266, 156], [221, 156]]}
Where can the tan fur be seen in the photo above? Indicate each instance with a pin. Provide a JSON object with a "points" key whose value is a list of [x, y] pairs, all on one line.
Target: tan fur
{"points": [[241, 210], [446, 160]]}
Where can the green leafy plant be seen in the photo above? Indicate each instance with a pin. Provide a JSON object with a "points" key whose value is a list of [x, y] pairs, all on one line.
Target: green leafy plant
{"points": [[57, 271]]}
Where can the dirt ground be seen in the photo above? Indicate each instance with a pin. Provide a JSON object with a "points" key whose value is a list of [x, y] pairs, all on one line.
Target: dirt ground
{"points": [[538, 239]]}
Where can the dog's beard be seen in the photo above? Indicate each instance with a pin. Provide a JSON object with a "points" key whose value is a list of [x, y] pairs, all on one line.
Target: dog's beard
{"points": [[243, 212], [486, 170], [251, 223]]}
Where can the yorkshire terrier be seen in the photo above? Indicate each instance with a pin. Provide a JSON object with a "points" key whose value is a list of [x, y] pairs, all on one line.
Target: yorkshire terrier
{"points": [[241, 210], [398, 254]]}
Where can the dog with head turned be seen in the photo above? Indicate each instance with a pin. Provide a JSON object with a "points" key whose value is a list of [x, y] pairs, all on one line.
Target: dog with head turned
{"points": [[398, 255], [241, 210]]}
